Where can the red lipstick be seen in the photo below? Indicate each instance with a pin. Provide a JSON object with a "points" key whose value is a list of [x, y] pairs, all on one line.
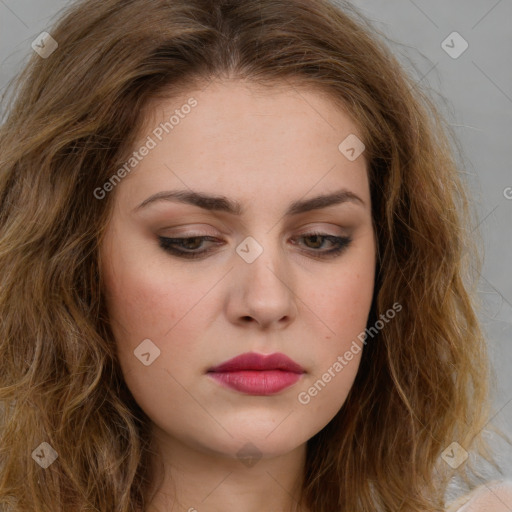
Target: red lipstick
{"points": [[257, 374]]}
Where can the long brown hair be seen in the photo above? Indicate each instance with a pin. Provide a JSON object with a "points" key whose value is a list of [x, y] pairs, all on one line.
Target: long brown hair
{"points": [[423, 379]]}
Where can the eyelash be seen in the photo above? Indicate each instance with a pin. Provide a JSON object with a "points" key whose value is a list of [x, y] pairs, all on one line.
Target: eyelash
{"points": [[167, 244]]}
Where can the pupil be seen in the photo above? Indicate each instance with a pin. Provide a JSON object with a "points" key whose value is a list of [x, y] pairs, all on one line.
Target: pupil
{"points": [[315, 237], [188, 240]]}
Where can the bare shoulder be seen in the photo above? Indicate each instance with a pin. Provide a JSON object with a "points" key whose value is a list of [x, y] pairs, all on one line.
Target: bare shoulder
{"points": [[493, 496]]}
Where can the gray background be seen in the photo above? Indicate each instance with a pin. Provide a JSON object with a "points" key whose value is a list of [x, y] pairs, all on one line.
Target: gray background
{"points": [[473, 91]]}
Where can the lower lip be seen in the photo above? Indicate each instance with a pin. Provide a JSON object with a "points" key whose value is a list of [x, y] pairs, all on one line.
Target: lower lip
{"points": [[257, 382]]}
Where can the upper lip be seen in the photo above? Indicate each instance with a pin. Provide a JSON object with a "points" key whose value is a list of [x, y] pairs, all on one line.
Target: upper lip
{"points": [[254, 361]]}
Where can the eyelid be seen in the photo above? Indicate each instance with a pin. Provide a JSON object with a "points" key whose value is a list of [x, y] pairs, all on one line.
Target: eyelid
{"points": [[341, 243], [188, 232], [200, 227]]}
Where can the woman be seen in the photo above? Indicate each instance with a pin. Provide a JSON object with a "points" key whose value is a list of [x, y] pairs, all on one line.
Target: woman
{"points": [[233, 266]]}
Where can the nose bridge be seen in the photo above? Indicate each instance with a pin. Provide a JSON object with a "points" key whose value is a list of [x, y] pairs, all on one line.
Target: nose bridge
{"points": [[262, 258], [263, 279]]}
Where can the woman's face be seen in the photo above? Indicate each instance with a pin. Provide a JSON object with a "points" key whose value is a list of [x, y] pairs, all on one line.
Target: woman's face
{"points": [[265, 285]]}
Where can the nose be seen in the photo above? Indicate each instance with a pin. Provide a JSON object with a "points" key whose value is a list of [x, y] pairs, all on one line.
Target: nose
{"points": [[262, 290]]}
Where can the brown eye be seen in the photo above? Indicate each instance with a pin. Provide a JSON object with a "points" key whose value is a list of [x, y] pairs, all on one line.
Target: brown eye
{"points": [[185, 247], [339, 243], [194, 245], [190, 247], [317, 241]]}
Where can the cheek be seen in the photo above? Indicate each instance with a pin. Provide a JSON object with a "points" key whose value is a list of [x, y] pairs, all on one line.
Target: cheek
{"points": [[135, 300], [345, 302], [344, 310], [145, 304], [343, 307], [146, 301], [142, 299]]}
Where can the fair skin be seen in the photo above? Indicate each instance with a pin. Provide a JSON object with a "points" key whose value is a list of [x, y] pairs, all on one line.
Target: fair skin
{"points": [[264, 149], [494, 496]]}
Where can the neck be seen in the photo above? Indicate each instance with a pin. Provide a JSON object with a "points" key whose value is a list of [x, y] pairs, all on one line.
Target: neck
{"points": [[193, 479]]}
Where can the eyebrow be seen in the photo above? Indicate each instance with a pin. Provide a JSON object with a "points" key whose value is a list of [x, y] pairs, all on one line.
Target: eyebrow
{"points": [[222, 203]]}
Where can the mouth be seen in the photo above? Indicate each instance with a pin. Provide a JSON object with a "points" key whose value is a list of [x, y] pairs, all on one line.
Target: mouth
{"points": [[256, 374]]}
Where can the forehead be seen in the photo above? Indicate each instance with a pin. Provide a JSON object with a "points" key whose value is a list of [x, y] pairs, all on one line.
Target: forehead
{"points": [[247, 138], [230, 100]]}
